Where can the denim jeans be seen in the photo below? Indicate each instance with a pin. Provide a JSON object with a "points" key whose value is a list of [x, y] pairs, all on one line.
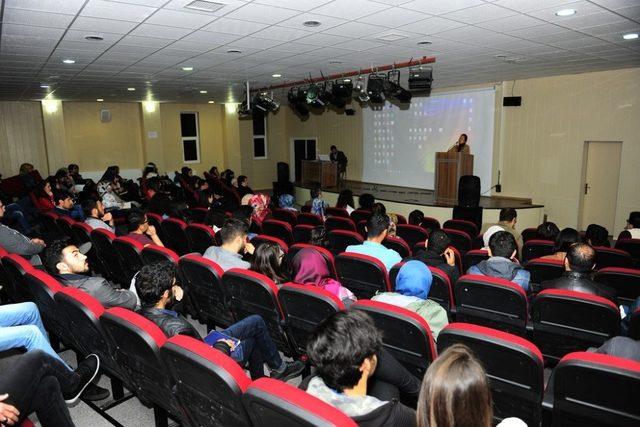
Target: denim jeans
{"points": [[257, 344], [15, 213], [21, 326], [626, 321]]}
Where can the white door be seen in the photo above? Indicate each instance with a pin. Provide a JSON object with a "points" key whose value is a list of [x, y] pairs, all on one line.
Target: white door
{"points": [[600, 186]]}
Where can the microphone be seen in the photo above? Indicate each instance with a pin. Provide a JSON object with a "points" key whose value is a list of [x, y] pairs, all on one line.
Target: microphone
{"points": [[454, 144]]}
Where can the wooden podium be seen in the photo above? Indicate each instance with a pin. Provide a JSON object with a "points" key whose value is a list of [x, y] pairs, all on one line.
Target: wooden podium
{"points": [[325, 173], [450, 166]]}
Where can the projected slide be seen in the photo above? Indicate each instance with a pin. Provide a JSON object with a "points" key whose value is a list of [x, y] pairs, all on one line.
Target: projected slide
{"points": [[400, 145]]}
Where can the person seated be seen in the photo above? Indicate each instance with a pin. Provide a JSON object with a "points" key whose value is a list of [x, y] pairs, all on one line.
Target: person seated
{"points": [[393, 225], [108, 192], [267, 260], [566, 238], [42, 197], [548, 231], [25, 176], [234, 244], [632, 230], [64, 180], [95, 215], [379, 208], [366, 201], [260, 206], [356, 375], [244, 213], [286, 201], [74, 174], [215, 219], [624, 347], [597, 235], [243, 186], [156, 286], [502, 251], [319, 237], [486, 236], [309, 267], [214, 173], [187, 178], [317, 203], [507, 220], [345, 201], [202, 194], [17, 243], [377, 230], [159, 201], [439, 254], [578, 263], [455, 392], [140, 230], [412, 289], [70, 266], [415, 217], [65, 205]]}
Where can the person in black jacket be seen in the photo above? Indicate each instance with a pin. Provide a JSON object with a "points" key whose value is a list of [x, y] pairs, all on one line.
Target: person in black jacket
{"points": [[339, 157], [440, 255], [355, 374], [157, 289]]}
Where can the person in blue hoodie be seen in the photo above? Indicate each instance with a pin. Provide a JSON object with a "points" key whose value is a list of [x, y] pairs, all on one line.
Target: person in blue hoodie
{"points": [[502, 251]]}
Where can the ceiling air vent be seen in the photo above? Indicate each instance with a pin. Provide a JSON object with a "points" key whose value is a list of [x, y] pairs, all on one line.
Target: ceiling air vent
{"points": [[391, 37], [205, 6]]}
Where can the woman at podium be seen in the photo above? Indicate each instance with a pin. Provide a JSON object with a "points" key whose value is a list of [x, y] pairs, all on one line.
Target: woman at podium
{"points": [[461, 145]]}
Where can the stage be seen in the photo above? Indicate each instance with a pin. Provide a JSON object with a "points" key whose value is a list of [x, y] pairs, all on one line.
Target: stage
{"points": [[403, 200]]}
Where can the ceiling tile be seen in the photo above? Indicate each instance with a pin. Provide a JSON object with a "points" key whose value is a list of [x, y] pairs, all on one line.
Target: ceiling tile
{"points": [[301, 5], [151, 42], [395, 17], [358, 44], [35, 18], [261, 13], [438, 7], [119, 11], [294, 47], [176, 18], [234, 26], [509, 23], [433, 25], [210, 37], [68, 7], [322, 39], [281, 33], [98, 25], [254, 42], [352, 9], [355, 29], [481, 13]]}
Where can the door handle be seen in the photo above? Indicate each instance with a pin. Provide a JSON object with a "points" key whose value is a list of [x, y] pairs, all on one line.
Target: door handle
{"points": [[586, 188]]}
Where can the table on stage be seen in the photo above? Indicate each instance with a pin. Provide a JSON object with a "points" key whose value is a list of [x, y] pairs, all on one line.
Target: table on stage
{"points": [[323, 172]]}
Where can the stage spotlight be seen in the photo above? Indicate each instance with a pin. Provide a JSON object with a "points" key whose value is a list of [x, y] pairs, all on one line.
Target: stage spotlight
{"points": [[317, 96], [375, 88], [420, 79], [265, 103], [243, 111], [298, 102], [341, 91], [393, 88], [360, 92]]}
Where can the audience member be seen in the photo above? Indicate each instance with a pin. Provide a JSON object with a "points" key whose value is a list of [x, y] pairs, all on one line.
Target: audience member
{"points": [[234, 244], [415, 217], [70, 265], [356, 375], [25, 176], [439, 254], [490, 232], [214, 172], [244, 213], [158, 291], [319, 237], [317, 203], [411, 291], [140, 230], [345, 201], [393, 225], [309, 267], [366, 201], [267, 260], [377, 230], [243, 186], [17, 243], [228, 177], [215, 219], [260, 205], [42, 197], [16, 216], [597, 235], [379, 208], [74, 174], [578, 263], [632, 230], [566, 238], [286, 201], [624, 347], [95, 215], [160, 202], [455, 392], [548, 231], [64, 180], [502, 251], [508, 220], [110, 198], [202, 194], [65, 205]]}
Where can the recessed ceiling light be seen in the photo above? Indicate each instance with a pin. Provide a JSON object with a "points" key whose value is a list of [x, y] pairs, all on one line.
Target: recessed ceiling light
{"points": [[335, 62], [131, 89], [68, 61], [566, 12], [234, 51], [187, 68], [94, 38], [630, 36], [203, 91], [99, 99], [276, 75], [424, 43], [312, 23], [212, 102]]}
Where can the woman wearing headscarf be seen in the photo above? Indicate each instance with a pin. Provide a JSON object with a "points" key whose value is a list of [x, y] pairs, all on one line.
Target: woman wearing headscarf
{"points": [[286, 202], [412, 289], [260, 205], [309, 268]]}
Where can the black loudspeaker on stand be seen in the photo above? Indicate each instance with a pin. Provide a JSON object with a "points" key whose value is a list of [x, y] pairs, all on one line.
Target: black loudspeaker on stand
{"points": [[469, 191]]}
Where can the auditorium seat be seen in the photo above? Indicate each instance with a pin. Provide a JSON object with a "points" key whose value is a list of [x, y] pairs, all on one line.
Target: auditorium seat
{"points": [[130, 252], [362, 274], [492, 302], [536, 249], [565, 321], [263, 238], [309, 219], [430, 224], [634, 324], [15, 267], [42, 288], [529, 234], [473, 257], [64, 224], [208, 384], [302, 233], [339, 240], [339, 223], [176, 238], [333, 211], [305, 209], [591, 389], [462, 225], [304, 307], [81, 232], [136, 342], [401, 219], [513, 364], [202, 281], [459, 240], [286, 215], [271, 402], [326, 254], [4, 279], [279, 229], [200, 237], [154, 253], [156, 220], [610, 257], [397, 244], [253, 293], [625, 281], [412, 234], [632, 247], [102, 241], [50, 222], [360, 215], [405, 334], [542, 269], [361, 226], [198, 214]]}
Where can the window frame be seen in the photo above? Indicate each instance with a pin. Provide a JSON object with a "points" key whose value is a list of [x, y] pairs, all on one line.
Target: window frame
{"points": [[190, 138], [263, 137]]}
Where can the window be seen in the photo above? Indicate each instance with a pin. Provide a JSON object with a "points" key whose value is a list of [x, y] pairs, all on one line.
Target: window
{"points": [[190, 139], [259, 135]]}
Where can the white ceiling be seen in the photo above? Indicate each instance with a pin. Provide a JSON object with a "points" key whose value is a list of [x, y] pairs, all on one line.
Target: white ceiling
{"points": [[146, 42]]}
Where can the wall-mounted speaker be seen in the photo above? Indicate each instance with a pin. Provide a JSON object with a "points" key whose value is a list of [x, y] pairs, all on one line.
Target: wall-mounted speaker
{"points": [[512, 101], [105, 116]]}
